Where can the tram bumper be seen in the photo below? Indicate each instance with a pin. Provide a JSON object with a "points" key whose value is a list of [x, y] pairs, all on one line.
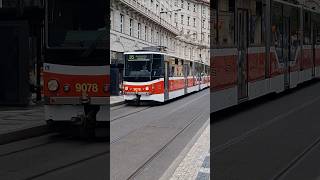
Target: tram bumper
{"points": [[144, 97], [73, 113], [73, 109]]}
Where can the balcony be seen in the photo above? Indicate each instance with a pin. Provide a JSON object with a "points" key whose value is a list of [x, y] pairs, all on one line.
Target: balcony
{"points": [[134, 4]]}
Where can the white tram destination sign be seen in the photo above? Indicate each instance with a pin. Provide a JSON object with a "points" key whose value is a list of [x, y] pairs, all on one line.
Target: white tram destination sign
{"points": [[138, 57]]}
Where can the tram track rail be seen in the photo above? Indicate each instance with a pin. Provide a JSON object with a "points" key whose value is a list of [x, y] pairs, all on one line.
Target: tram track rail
{"points": [[297, 160], [130, 113], [27, 148], [254, 130], [23, 148], [164, 146], [68, 165]]}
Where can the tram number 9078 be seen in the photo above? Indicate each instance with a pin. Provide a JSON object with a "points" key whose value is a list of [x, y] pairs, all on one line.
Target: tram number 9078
{"points": [[86, 87]]}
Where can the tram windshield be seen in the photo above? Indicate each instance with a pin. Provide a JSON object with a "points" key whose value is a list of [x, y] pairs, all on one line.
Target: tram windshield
{"points": [[71, 26], [143, 66]]}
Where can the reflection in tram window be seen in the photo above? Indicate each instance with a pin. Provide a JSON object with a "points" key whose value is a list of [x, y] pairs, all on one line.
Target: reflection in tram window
{"points": [[294, 32], [226, 24], [307, 29], [256, 24], [277, 29]]}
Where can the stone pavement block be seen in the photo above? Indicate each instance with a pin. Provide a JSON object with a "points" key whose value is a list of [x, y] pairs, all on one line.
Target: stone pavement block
{"points": [[196, 164]]}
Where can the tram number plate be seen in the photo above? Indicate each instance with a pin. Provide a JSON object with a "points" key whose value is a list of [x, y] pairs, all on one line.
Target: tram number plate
{"points": [[86, 87], [137, 89]]}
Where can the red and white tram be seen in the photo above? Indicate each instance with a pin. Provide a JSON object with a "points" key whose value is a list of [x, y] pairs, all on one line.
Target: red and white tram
{"points": [[75, 72], [260, 47], [158, 76]]}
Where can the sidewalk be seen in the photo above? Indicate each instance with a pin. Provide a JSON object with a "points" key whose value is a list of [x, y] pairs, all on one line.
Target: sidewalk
{"points": [[22, 122], [196, 164], [116, 100]]}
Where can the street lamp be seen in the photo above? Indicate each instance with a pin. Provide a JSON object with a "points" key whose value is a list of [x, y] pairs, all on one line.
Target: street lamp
{"points": [[161, 12]]}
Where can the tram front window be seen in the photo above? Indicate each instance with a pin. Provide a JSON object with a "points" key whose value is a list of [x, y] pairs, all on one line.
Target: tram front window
{"points": [[71, 26], [142, 67], [138, 65]]}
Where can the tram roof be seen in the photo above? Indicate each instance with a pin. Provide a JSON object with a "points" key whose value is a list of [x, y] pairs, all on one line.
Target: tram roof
{"points": [[145, 52]]}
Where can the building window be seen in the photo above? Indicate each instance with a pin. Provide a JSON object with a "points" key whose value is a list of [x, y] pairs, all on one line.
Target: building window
{"points": [[188, 21], [130, 27], [188, 6], [145, 33], [203, 22], [194, 8], [121, 22], [194, 22], [175, 17], [204, 11], [157, 7], [157, 40], [111, 18], [182, 19], [182, 4], [185, 50], [176, 3], [139, 30], [151, 35]]}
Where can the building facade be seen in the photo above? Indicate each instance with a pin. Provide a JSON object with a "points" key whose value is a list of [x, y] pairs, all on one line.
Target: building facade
{"points": [[183, 26]]}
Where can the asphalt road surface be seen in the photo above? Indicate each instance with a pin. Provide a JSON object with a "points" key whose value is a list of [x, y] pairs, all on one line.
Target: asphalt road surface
{"points": [[54, 157], [274, 137], [146, 140]]}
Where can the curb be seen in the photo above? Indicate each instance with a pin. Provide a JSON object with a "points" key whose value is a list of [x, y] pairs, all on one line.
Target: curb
{"points": [[23, 134], [117, 103]]}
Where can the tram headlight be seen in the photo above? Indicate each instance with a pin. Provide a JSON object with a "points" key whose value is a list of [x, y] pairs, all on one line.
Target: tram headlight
{"points": [[147, 88], [126, 88], [53, 85]]}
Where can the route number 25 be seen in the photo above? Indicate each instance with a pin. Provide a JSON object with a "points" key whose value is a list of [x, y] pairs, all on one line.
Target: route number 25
{"points": [[86, 87]]}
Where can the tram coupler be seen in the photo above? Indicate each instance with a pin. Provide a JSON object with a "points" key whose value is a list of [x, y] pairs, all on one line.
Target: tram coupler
{"points": [[137, 99], [89, 120]]}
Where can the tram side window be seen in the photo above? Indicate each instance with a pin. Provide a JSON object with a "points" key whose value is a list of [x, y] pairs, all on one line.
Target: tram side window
{"points": [[317, 30], [157, 67], [256, 24], [213, 24], [307, 29], [318, 34], [277, 29], [172, 71], [226, 23], [294, 32]]}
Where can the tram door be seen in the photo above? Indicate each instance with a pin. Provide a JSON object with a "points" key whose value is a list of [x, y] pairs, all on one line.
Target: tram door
{"points": [[286, 51], [242, 48], [186, 72], [166, 80]]}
